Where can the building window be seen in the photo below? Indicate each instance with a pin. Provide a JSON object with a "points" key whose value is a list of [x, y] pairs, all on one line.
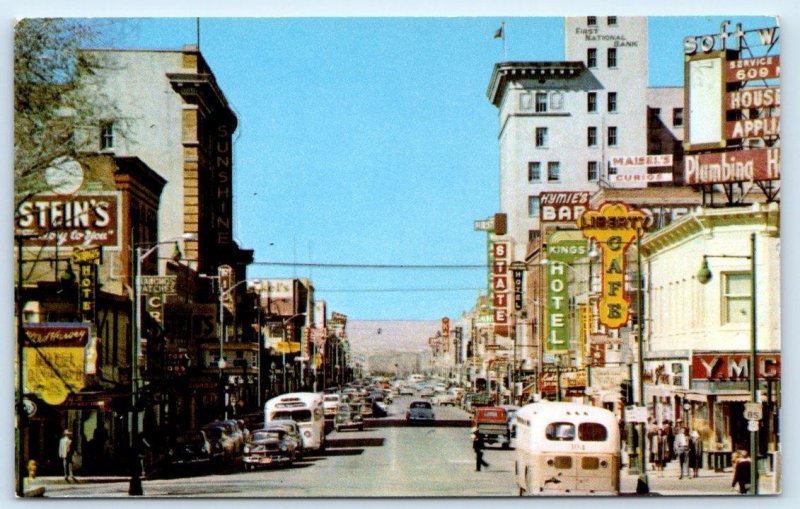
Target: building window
{"points": [[612, 136], [677, 117], [612, 58], [534, 171], [612, 102], [612, 21], [541, 136], [541, 102], [591, 138], [591, 21], [533, 206], [591, 58], [525, 101], [553, 171], [736, 297], [591, 102], [106, 135], [592, 171], [534, 235]]}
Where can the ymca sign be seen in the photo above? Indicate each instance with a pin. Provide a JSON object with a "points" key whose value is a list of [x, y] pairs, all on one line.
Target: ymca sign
{"points": [[734, 366]]}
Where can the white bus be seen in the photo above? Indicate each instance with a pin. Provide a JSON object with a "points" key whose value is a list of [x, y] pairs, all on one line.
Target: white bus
{"points": [[305, 408], [566, 449]]}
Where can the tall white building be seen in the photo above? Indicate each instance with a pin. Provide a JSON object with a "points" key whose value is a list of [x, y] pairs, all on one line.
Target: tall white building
{"points": [[562, 122]]}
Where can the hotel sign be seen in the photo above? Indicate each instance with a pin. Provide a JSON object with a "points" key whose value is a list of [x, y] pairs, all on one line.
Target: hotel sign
{"points": [[734, 166], [563, 248], [614, 227]]}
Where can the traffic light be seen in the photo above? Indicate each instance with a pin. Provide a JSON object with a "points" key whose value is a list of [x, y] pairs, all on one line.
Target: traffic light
{"points": [[626, 393]]}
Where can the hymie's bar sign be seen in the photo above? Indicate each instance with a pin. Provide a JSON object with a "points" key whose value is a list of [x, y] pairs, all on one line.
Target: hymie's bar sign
{"points": [[734, 366]]}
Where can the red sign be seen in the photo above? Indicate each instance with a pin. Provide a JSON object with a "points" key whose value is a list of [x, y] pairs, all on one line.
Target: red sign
{"points": [[734, 366], [500, 284], [749, 69], [57, 334], [562, 206], [735, 166], [753, 128], [445, 326], [754, 97], [67, 221]]}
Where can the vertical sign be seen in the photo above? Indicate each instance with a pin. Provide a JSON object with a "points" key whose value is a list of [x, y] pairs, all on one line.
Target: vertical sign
{"points": [[585, 314], [459, 336], [613, 227], [500, 287], [87, 281], [563, 248], [518, 275], [446, 334], [225, 278]]}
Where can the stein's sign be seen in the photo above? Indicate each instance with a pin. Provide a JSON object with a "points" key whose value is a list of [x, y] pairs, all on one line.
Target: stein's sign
{"points": [[69, 221]]}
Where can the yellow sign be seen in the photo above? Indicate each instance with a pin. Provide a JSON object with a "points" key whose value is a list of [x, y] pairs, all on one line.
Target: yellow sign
{"points": [[55, 360], [613, 227], [287, 347], [585, 312], [317, 360]]}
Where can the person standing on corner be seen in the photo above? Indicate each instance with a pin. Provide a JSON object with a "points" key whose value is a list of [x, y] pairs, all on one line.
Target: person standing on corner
{"points": [[741, 472], [478, 446], [695, 452], [682, 451], [65, 452]]}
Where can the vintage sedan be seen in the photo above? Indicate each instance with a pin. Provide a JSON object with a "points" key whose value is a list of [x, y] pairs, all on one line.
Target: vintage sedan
{"points": [[269, 446], [348, 418], [189, 450], [223, 446], [420, 411], [293, 431]]}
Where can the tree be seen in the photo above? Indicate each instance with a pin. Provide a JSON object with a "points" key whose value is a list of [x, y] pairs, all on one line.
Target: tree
{"points": [[55, 102]]}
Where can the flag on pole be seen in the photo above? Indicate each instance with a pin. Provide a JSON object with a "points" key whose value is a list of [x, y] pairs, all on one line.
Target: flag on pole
{"points": [[499, 33]]}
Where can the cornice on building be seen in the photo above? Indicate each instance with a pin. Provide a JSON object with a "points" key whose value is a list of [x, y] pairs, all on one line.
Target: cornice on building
{"points": [[505, 71]]}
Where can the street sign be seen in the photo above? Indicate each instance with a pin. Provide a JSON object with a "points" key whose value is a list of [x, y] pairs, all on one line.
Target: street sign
{"points": [[752, 425], [158, 284], [485, 225], [636, 414], [752, 411]]}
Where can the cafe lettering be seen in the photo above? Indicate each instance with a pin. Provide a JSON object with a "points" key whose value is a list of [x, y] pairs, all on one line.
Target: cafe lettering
{"points": [[614, 226]]}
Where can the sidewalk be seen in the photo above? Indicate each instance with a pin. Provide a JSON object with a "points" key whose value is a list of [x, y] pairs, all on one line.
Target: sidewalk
{"points": [[709, 482]]}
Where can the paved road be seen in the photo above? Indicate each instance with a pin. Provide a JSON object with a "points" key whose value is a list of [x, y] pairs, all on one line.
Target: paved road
{"points": [[397, 461]]}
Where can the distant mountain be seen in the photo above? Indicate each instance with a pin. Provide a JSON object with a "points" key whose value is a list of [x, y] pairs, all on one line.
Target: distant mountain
{"points": [[370, 337]]}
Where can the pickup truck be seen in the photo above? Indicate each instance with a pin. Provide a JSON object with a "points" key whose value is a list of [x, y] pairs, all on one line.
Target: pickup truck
{"points": [[492, 424]]}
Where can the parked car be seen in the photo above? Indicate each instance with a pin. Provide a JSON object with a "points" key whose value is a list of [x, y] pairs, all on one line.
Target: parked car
{"points": [[269, 446], [294, 432], [420, 411], [222, 445], [330, 402], [348, 418], [492, 424], [189, 450]]}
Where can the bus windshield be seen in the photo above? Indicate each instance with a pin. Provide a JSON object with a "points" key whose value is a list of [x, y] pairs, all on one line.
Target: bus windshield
{"points": [[295, 415]]}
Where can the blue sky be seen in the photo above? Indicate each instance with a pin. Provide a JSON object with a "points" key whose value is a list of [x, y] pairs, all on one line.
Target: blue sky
{"points": [[371, 140]]}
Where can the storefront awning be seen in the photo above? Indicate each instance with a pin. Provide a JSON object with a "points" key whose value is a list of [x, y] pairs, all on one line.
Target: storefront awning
{"points": [[734, 397]]}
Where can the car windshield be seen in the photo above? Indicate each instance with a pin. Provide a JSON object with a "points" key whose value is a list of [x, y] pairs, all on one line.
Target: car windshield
{"points": [[264, 435], [420, 404]]}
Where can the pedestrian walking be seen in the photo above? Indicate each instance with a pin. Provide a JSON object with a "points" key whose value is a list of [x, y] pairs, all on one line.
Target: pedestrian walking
{"points": [[670, 431], [478, 446], [65, 452], [681, 445], [741, 472], [695, 452]]}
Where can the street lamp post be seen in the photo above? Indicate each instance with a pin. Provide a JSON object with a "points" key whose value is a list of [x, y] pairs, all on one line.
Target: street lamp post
{"points": [[136, 350], [704, 276]]}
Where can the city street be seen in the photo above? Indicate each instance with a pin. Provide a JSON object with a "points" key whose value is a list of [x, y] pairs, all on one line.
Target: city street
{"points": [[383, 460]]}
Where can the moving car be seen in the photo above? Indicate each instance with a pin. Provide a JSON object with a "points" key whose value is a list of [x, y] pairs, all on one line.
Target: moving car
{"points": [[406, 391], [492, 424], [189, 450], [293, 429], [269, 446], [330, 402], [347, 418], [420, 411], [444, 399]]}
